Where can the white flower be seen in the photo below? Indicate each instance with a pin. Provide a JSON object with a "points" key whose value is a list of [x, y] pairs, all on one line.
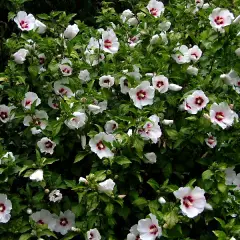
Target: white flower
{"points": [[230, 175], [133, 41], [156, 8], [29, 211], [97, 107], [97, 145], [195, 53], [7, 156], [5, 113], [199, 3], [167, 122], [71, 31], [5, 208], [231, 78], [30, 98], [160, 83], [182, 55], [134, 234], [106, 186], [222, 115], [132, 21], [130, 132], [151, 129], [93, 234], [192, 71], [20, 56], [233, 238], [151, 157], [77, 121], [25, 22], [164, 38], [164, 26], [126, 14], [41, 58], [174, 87], [220, 18], [61, 89], [83, 180], [106, 81], [124, 85], [161, 200], [211, 141], [237, 51], [37, 175], [236, 181], [65, 222], [83, 141], [40, 27], [205, 6], [46, 145], [148, 228], [154, 39], [53, 103], [109, 41], [84, 76], [65, 67], [196, 102], [110, 126], [193, 201], [55, 196], [142, 95]]}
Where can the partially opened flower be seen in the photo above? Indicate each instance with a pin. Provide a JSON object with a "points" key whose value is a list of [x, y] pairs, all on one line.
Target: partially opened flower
{"points": [[192, 71], [55, 196], [230, 175], [61, 89], [65, 67], [222, 115], [148, 228], [106, 81], [40, 27], [41, 58], [142, 95], [211, 141], [77, 121], [195, 53], [5, 113], [46, 145], [5, 208], [93, 234], [134, 40], [25, 22], [151, 157], [37, 175], [98, 107], [71, 31], [20, 56], [181, 55], [44, 217], [84, 76], [156, 8], [97, 145], [134, 233], [193, 201], [124, 85], [106, 186], [126, 14], [53, 103], [65, 222], [199, 3], [232, 78], [109, 41], [111, 126], [30, 98], [160, 83], [174, 87]]}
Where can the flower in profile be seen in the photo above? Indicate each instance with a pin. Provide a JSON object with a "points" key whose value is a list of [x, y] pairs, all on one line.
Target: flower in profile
{"points": [[37, 175], [160, 83], [65, 67], [181, 55], [98, 146], [156, 8], [77, 121], [106, 81], [193, 201], [46, 145], [110, 126], [174, 87], [5, 208], [53, 103], [71, 31], [30, 98], [134, 40], [106, 186], [40, 27], [211, 141], [25, 22], [5, 113], [134, 233], [109, 42], [65, 222], [124, 85], [93, 234], [20, 56], [97, 107], [55, 196]]}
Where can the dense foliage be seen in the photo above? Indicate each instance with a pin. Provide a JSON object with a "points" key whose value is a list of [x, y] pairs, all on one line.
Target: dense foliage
{"points": [[132, 123]]}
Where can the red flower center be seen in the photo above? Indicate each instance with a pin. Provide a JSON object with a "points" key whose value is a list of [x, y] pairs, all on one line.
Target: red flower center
{"points": [[63, 91], [37, 121], [195, 55], [160, 84], [133, 39], [141, 95], [137, 237], [41, 60], [28, 102], [219, 116], [107, 43], [153, 229], [210, 140], [153, 11], [91, 236], [2, 207], [107, 81], [40, 221], [48, 144], [187, 201], [125, 83], [219, 20], [66, 70], [100, 145], [114, 126], [199, 101], [3, 115], [63, 222], [23, 24]]}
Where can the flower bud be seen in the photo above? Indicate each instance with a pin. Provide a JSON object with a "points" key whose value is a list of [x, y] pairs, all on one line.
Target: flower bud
{"points": [[154, 39], [174, 87], [167, 122], [105, 162], [109, 172], [121, 196], [192, 71], [161, 200], [71, 31], [46, 191], [29, 211]]}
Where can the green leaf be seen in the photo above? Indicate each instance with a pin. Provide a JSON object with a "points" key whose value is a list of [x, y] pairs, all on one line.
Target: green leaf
{"points": [[33, 70], [222, 187], [173, 134], [26, 236], [220, 234], [11, 15], [80, 156], [122, 160], [153, 184], [171, 219], [109, 209], [100, 175], [207, 174], [140, 202]]}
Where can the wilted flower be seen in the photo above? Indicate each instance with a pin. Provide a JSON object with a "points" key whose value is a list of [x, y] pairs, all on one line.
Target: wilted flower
{"points": [[5, 208], [25, 22], [71, 31], [98, 107], [106, 186], [55, 196], [30, 98], [46, 145], [93, 234], [156, 8], [20, 56], [37, 175]]}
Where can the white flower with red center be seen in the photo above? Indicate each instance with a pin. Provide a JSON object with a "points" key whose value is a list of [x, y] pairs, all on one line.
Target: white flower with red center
{"points": [[111, 126], [134, 40], [148, 228], [39, 120], [222, 115], [193, 201], [84, 76], [98, 146], [65, 222], [211, 141], [195, 53], [109, 41], [156, 8], [142, 95], [41, 58], [93, 234], [20, 56], [37, 175], [124, 85], [106, 81], [196, 102], [97, 107], [134, 233], [236, 181], [5, 113], [230, 175], [181, 55], [46, 145], [25, 22], [55, 196], [220, 18], [160, 83], [44, 217], [65, 67], [30, 98], [71, 31], [151, 129], [106, 186], [199, 3], [40, 27], [151, 157], [5, 208], [61, 89], [77, 121], [53, 103]]}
